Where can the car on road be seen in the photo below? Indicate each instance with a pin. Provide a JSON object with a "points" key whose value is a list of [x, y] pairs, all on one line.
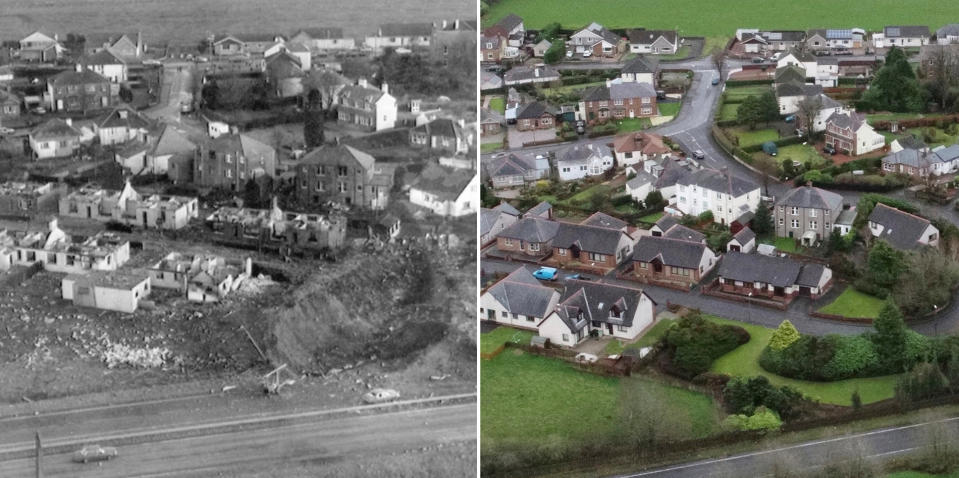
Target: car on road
{"points": [[381, 395], [715, 81], [699, 154], [5, 130], [546, 273], [569, 54], [829, 149], [94, 453]]}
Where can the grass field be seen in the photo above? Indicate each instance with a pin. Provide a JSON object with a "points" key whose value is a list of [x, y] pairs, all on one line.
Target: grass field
{"points": [[852, 303], [785, 244], [759, 136], [744, 362], [632, 124], [728, 111], [527, 399], [652, 217], [491, 341], [669, 109], [498, 104], [742, 92], [721, 19], [802, 153]]}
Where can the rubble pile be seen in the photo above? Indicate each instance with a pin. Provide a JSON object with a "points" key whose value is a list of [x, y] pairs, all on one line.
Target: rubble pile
{"points": [[117, 354]]}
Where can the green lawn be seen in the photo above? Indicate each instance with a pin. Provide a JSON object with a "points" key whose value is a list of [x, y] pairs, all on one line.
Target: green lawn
{"points": [[632, 124], [680, 54], [872, 118], [564, 90], [852, 303], [490, 147], [628, 208], [784, 244], [649, 338], [744, 361], [498, 104], [491, 341], [669, 109], [589, 192], [742, 92], [728, 111], [759, 136], [721, 19], [527, 399], [802, 153], [652, 217]]}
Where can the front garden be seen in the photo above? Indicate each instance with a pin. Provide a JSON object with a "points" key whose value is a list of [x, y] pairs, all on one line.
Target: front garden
{"points": [[852, 303]]}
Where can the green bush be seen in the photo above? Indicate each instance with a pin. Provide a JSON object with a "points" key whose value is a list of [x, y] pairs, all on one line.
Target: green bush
{"points": [[693, 343], [924, 380], [853, 356], [745, 395], [762, 419], [784, 336], [706, 216]]}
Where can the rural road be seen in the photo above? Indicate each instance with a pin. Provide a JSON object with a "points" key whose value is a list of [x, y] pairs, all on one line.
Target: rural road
{"points": [[884, 443], [319, 441]]}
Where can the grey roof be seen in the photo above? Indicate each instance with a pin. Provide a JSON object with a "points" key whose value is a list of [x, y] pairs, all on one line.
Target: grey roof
{"points": [[720, 181], [581, 152], [583, 302], [951, 29], [680, 231], [538, 209], [642, 177], [491, 116], [531, 229], [535, 109], [914, 154], [522, 73], [811, 274], [744, 235], [520, 293], [907, 156], [906, 31], [667, 222], [507, 208], [801, 56], [509, 22], [811, 197], [600, 240], [790, 73], [488, 218], [846, 217], [672, 252], [640, 64], [646, 37], [784, 35], [843, 120], [910, 141], [828, 102], [900, 229], [793, 88], [629, 89], [406, 29], [601, 219], [773, 270]]}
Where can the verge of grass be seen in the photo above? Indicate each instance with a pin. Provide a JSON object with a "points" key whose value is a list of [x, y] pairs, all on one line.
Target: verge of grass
{"points": [[744, 362], [852, 303], [632, 124], [669, 109], [490, 147], [649, 338], [680, 54], [728, 111], [759, 136], [491, 341]]}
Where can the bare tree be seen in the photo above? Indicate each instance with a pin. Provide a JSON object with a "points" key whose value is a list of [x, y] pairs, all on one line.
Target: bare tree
{"points": [[941, 68], [809, 108], [718, 56], [321, 87], [648, 416], [768, 167]]}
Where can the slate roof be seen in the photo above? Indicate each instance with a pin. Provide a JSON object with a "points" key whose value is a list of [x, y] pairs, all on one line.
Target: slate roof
{"points": [[906, 31], [811, 274], [803, 57], [639, 64], [594, 301], [488, 218], [843, 120], [647, 37], [900, 229], [514, 164], [910, 141], [673, 252], [73, 77], [774, 270], [406, 29], [367, 94], [684, 233], [784, 35], [629, 89], [54, 129], [442, 181], [744, 235], [846, 217], [231, 143], [133, 120], [811, 197], [720, 181], [520, 293], [580, 153], [535, 109], [828, 102], [318, 33], [507, 208], [531, 229], [600, 240], [790, 73], [509, 22], [667, 222], [793, 88], [102, 57], [601, 219], [642, 177], [538, 209], [491, 116], [522, 73], [951, 29]]}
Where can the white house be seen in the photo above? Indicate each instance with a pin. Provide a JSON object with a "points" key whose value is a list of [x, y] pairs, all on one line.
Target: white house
{"points": [[121, 125], [493, 221], [367, 106], [56, 138], [519, 300], [581, 160], [633, 148], [107, 65], [401, 35], [948, 34], [584, 307], [119, 291], [829, 107], [727, 196], [806, 61], [656, 42], [639, 70], [902, 36], [446, 191], [743, 241]]}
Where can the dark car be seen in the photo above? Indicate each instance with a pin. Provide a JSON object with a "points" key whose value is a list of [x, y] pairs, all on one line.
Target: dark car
{"points": [[580, 126], [715, 81], [699, 154], [94, 453], [830, 149]]}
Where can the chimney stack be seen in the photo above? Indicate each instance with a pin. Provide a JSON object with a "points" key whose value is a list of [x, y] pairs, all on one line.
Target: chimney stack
{"points": [[385, 88], [362, 82], [68, 121]]}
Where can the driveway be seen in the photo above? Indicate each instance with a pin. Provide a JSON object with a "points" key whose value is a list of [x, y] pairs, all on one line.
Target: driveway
{"points": [[518, 138]]}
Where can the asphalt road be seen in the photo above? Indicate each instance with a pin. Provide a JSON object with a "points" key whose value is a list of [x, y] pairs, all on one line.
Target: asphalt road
{"points": [[318, 441], [879, 444]]}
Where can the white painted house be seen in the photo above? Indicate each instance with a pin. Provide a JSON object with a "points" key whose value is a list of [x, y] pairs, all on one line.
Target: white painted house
{"points": [[727, 196], [446, 191], [519, 300], [605, 309], [581, 160], [902, 36]]}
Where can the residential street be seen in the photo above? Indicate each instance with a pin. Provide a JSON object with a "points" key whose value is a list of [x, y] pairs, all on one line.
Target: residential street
{"points": [[883, 443]]}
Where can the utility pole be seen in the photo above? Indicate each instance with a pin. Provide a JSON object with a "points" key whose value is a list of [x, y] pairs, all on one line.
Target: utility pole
{"points": [[39, 456]]}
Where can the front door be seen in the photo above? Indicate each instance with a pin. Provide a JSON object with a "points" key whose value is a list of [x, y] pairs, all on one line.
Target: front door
{"points": [[657, 266], [609, 329], [490, 314]]}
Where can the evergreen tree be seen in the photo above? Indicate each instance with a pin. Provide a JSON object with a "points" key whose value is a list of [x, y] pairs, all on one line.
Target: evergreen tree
{"points": [[894, 87], [313, 129], [890, 337], [763, 220]]}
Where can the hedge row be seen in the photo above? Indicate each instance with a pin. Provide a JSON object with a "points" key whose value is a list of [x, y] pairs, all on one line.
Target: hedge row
{"points": [[937, 121], [733, 83]]}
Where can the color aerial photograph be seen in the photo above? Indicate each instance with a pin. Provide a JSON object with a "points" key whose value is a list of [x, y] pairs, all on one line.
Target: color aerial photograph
{"points": [[238, 238], [719, 239]]}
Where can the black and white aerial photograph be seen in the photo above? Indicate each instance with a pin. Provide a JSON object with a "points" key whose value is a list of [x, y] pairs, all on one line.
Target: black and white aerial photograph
{"points": [[238, 238]]}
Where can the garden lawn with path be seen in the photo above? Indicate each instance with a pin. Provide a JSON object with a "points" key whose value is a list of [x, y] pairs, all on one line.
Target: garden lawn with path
{"points": [[802, 153], [527, 399], [744, 362], [785, 244], [652, 218], [852, 303], [669, 109]]}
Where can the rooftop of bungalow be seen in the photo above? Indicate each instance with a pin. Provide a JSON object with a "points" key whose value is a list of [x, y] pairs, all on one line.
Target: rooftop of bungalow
{"points": [[25, 189]]}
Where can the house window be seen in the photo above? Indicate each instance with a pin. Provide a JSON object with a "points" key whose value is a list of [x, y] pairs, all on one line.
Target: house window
{"points": [[534, 246], [565, 337], [508, 241], [781, 221], [530, 318], [560, 251], [795, 211], [812, 213], [795, 223], [643, 265], [597, 257], [622, 328], [503, 314], [812, 224]]}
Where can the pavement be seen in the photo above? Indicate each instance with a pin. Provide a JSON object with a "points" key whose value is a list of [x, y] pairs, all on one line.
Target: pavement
{"points": [[881, 444]]}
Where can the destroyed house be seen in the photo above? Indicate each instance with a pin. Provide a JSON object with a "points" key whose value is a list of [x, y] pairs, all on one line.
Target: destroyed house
{"points": [[130, 207], [286, 231], [200, 278], [59, 252]]}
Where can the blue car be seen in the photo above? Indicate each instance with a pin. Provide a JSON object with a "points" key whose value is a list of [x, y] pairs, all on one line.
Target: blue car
{"points": [[790, 118], [546, 273], [715, 81]]}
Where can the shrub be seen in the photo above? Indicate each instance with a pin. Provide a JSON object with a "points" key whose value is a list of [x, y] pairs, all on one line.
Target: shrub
{"points": [[853, 356], [762, 419], [744, 395], [924, 380], [693, 343], [706, 216], [784, 336]]}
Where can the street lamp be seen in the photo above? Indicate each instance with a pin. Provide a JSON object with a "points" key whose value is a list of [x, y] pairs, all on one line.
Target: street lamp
{"points": [[749, 308]]}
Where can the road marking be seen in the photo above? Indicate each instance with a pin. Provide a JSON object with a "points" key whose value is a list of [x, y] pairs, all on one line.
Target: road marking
{"points": [[791, 447]]}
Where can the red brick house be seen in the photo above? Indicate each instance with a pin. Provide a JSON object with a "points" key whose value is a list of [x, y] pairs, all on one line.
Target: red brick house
{"points": [[592, 246], [773, 278], [618, 101], [536, 115], [671, 260]]}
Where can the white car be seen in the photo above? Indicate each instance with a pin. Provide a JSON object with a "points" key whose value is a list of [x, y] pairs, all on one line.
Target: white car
{"points": [[569, 54], [380, 395], [587, 54]]}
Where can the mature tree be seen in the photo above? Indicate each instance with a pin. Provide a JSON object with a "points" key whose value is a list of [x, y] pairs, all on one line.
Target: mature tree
{"points": [[890, 337], [555, 52], [654, 200], [321, 87], [313, 129], [926, 283], [75, 44], [941, 69], [884, 265], [649, 416], [750, 112], [894, 87], [768, 107], [203, 46], [763, 220], [768, 167], [809, 108], [211, 95]]}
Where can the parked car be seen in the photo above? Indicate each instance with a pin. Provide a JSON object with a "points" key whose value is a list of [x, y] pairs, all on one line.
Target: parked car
{"points": [[715, 81], [577, 276], [829, 149], [94, 453], [699, 154], [569, 54], [380, 395], [587, 54], [546, 273], [790, 118], [581, 127], [758, 59]]}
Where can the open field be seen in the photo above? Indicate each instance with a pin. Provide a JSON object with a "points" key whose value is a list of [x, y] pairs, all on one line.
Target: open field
{"points": [[695, 18], [187, 21], [526, 399], [744, 362], [852, 303]]}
